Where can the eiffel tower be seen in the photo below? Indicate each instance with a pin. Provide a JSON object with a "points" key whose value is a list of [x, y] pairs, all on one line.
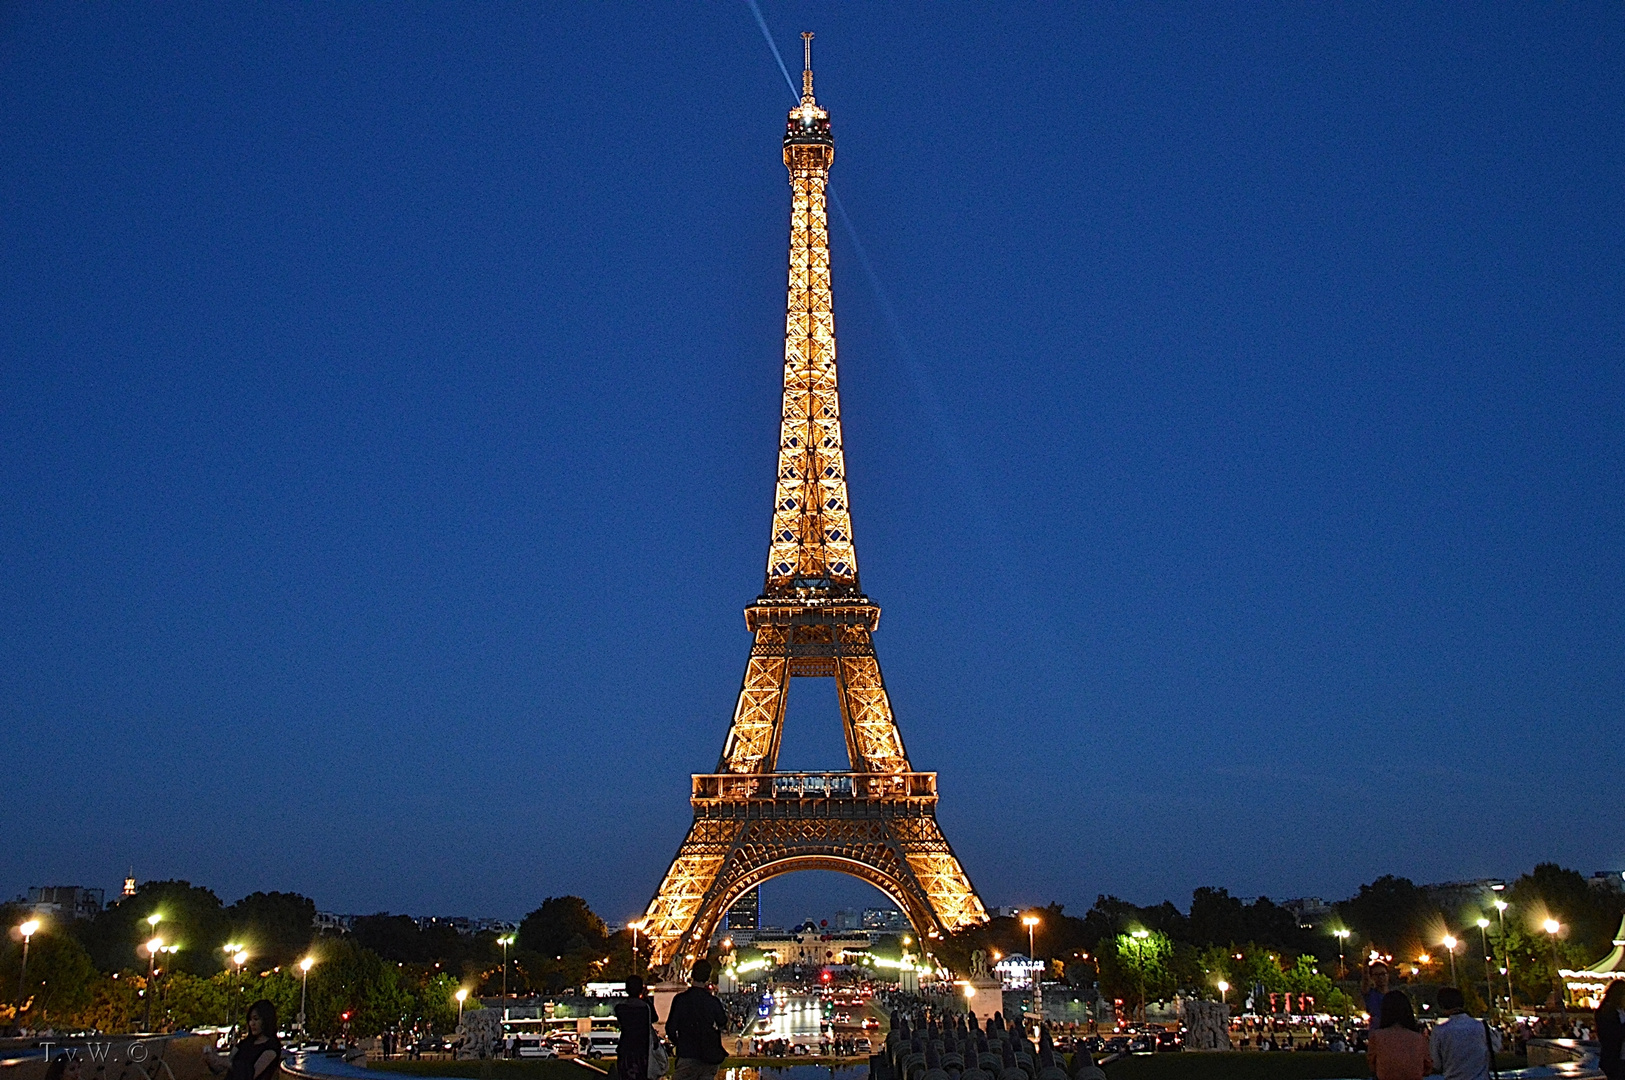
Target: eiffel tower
{"points": [[878, 821]]}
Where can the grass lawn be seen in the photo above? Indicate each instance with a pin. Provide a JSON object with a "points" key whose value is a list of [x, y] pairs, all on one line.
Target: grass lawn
{"points": [[498, 1069]]}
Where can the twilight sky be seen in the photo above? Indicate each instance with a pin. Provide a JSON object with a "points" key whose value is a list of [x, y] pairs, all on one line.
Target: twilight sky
{"points": [[1234, 408]]}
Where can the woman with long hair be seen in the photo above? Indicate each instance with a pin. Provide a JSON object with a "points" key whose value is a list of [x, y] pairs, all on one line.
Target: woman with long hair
{"points": [[1611, 1031], [1397, 1048], [256, 1053]]}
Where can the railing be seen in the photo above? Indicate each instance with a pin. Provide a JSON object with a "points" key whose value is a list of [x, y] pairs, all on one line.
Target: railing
{"points": [[751, 787]]}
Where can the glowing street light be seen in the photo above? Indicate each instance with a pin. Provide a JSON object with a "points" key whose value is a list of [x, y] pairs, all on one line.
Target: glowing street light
{"points": [[27, 930], [1506, 954], [1552, 926], [304, 981], [1224, 988], [1450, 944], [1484, 938], [1139, 937], [507, 939], [154, 947], [1342, 937], [461, 996], [1030, 921]]}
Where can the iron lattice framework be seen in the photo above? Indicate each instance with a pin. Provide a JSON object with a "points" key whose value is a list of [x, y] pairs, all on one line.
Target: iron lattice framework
{"points": [[751, 822]]}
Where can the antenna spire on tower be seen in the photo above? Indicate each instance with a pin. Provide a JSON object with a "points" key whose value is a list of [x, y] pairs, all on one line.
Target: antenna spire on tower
{"points": [[806, 65]]}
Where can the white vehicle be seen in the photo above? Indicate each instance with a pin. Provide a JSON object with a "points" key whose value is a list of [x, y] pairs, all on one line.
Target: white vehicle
{"points": [[596, 1044], [533, 1048]]}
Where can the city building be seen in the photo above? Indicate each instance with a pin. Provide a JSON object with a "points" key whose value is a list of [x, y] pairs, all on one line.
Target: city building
{"points": [[1311, 911], [847, 919], [64, 902], [329, 923], [1610, 880], [1017, 972], [746, 912], [812, 944], [877, 918]]}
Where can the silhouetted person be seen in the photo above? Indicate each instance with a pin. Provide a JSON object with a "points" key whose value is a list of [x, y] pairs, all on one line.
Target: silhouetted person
{"points": [[636, 1016], [695, 1025], [1611, 1031], [1461, 1048]]}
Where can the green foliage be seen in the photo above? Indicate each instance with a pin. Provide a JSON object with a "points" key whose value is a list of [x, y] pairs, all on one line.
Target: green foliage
{"points": [[1138, 969], [59, 977], [193, 918], [115, 1004], [351, 978], [186, 1001]]}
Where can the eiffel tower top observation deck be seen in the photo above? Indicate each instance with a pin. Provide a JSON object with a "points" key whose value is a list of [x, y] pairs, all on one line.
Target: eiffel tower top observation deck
{"points": [[811, 554], [877, 821]]}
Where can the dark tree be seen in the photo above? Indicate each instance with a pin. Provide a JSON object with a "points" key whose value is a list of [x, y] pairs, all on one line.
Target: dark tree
{"points": [[191, 917], [563, 924], [276, 927], [1389, 912], [395, 938], [1216, 918]]}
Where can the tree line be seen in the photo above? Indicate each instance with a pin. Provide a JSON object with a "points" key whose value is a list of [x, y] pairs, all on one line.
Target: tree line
{"points": [[1137, 953], [387, 971]]}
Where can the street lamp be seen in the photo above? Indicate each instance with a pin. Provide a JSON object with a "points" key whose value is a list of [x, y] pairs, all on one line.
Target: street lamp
{"points": [[1506, 954], [1484, 938], [154, 947], [1450, 944], [1139, 937], [1224, 988], [304, 981], [1342, 939], [1031, 923], [507, 939], [461, 996], [1552, 926], [27, 930]]}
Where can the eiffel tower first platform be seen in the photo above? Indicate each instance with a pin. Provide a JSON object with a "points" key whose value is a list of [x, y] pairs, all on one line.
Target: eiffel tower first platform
{"points": [[751, 822]]}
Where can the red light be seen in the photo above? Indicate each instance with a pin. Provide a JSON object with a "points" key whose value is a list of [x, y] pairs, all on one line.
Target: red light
{"points": [[826, 976]]}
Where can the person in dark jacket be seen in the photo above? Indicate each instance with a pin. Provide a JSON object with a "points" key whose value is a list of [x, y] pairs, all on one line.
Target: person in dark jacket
{"points": [[636, 1016], [695, 1025], [1611, 1031], [257, 1052]]}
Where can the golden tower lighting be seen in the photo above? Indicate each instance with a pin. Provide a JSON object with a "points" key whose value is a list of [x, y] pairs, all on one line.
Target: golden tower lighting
{"points": [[751, 822]]}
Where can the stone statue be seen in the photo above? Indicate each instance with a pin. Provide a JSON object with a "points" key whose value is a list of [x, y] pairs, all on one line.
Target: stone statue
{"points": [[978, 965]]}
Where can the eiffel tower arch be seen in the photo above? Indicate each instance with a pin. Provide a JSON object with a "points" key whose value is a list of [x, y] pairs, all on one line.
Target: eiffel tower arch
{"points": [[752, 823]]}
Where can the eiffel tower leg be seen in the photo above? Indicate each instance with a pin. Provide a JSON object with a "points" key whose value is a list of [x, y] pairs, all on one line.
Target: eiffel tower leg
{"points": [[691, 878]]}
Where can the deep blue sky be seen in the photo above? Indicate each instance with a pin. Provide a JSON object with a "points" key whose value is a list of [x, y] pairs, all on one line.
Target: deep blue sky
{"points": [[389, 402]]}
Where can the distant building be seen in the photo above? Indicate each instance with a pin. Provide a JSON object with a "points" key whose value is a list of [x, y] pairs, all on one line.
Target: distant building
{"points": [[329, 923], [746, 913], [1453, 895], [129, 884], [847, 919], [878, 918], [1310, 911], [65, 901], [810, 944], [1611, 880]]}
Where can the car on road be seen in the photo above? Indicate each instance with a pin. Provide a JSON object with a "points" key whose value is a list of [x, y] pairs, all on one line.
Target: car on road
{"points": [[534, 1048]]}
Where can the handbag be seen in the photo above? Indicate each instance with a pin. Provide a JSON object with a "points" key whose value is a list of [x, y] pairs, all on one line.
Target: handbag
{"points": [[659, 1060]]}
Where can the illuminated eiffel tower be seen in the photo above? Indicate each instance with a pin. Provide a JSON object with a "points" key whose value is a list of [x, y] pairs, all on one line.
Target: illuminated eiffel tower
{"points": [[751, 822]]}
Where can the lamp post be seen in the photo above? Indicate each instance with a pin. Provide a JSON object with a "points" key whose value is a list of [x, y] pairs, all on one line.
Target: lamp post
{"points": [[1484, 938], [461, 996], [1224, 989], [1139, 937], [153, 946], [1506, 954], [27, 930], [1552, 926], [1342, 937], [1031, 923], [304, 981], [507, 939], [1450, 944]]}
